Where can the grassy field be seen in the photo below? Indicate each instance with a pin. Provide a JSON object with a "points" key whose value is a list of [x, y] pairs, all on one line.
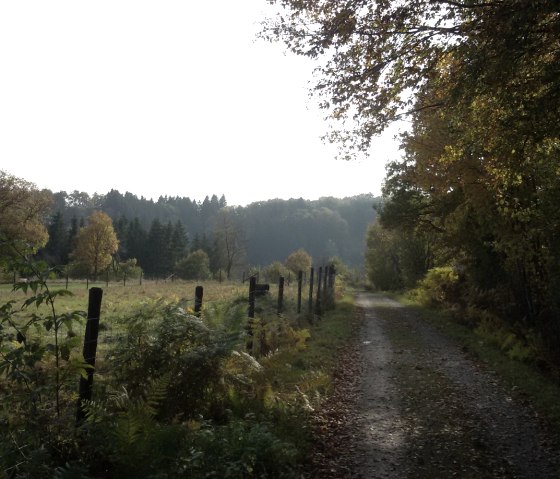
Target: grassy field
{"points": [[119, 299]]}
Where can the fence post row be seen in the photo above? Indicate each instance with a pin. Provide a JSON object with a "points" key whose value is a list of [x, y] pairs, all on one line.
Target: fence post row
{"points": [[90, 348]]}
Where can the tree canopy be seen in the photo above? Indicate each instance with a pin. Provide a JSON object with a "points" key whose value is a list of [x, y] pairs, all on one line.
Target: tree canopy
{"points": [[96, 243], [478, 184], [23, 210], [377, 59]]}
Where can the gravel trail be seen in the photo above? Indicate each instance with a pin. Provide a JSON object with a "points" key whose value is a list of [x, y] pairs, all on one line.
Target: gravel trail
{"points": [[416, 406]]}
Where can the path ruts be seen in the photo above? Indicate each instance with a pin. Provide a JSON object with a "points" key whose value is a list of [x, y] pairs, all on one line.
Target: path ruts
{"points": [[423, 409]]}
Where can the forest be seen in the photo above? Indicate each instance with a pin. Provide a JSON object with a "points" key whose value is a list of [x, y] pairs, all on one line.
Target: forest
{"points": [[157, 234]]}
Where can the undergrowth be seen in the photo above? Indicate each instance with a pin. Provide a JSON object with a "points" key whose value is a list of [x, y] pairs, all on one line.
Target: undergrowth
{"points": [[178, 395]]}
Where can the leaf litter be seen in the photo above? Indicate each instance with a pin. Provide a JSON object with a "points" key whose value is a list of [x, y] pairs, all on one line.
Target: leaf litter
{"points": [[407, 402]]}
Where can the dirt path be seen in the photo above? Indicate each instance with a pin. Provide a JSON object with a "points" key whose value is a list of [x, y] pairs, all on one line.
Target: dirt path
{"points": [[415, 406]]}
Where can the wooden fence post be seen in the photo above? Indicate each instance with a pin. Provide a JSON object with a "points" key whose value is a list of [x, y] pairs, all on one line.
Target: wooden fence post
{"points": [[280, 295], [311, 277], [332, 273], [299, 286], [107, 279], [319, 283], [90, 348], [124, 279], [198, 293], [251, 313], [87, 283]]}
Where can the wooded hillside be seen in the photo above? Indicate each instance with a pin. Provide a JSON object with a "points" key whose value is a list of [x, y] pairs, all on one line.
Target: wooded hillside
{"points": [[158, 233]]}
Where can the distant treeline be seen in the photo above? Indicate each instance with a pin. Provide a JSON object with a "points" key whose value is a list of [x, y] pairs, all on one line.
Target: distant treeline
{"points": [[157, 233]]}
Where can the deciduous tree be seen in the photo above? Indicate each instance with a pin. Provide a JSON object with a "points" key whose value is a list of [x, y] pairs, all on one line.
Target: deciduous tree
{"points": [[299, 260], [23, 210], [96, 243]]}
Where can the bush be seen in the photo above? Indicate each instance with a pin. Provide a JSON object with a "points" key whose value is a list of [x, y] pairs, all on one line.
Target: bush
{"points": [[164, 339], [195, 266], [273, 271], [440, 287], [241, 449], [299, 260]]}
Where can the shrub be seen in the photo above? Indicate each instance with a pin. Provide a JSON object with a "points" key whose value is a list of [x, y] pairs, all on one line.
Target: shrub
{"points": [[273, 271], [164, 339], [299, 260], [195, 266], [440, 287]]}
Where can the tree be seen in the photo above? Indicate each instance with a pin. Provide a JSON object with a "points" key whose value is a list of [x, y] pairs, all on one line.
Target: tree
{"points": [[376, 56], [23, 210], [229, 239], [382, 261], [195, 266], [136, 239], [299, 260], [179, 242], [96, 243], [156, 243], [56, 249]]}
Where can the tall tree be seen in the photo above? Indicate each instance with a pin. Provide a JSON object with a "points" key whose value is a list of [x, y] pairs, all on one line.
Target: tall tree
{"points": [[56, 249], [179, 242], [230, 241], [155, 244], [136, 241], [96, 243], [23, 210]]}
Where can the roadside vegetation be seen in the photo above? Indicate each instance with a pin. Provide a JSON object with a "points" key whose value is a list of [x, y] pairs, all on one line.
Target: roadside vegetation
{"points": [[175, 394]]}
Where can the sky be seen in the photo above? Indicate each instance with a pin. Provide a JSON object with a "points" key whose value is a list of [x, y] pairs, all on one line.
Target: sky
{"points": [[173, 97]]}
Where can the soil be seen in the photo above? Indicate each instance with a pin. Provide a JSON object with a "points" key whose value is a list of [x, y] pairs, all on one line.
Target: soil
{"points": [[409, 403]]}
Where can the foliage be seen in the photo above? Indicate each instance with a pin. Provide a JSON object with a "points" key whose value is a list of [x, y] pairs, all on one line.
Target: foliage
{"points": [[38, 371], [241, 449], [96, 243], [194, 266], [23, 209], [440, 287], [230, 247], [181, 397], [271, 230], [382, 263], [178, 344], [274, 271], [477, 187], [299, 260], [126, 269]]}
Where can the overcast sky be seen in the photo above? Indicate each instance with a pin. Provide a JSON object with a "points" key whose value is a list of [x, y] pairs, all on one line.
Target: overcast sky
{"points": [[165, 98]]}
